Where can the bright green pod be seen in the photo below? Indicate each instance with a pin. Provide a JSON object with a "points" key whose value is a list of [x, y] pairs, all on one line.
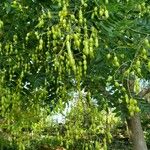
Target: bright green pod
{"points": [[108, 56], [1, 24], [109, 78], [106, 14], [148, 65]]}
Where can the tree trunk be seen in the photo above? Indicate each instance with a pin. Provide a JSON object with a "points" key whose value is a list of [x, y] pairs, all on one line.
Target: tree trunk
{"points": [[136, 133]]}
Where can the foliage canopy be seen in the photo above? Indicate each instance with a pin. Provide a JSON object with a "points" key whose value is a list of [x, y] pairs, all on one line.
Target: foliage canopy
{"points": [[50, 48]]}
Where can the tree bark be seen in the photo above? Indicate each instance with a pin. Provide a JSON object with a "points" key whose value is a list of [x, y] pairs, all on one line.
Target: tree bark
{"points": [[134, 123], [136, 133]]}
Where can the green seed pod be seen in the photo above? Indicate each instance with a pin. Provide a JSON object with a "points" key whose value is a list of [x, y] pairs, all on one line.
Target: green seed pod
{"points": [[93, 30], [85, 23], [82, 2], [15, 37], [64, 23], [91, 52], [68, 28], [72, 16], [80, 20], [145, 57], [91, 41], [138, 63], [92, 16], [101, 12], [59, 33], [122, 56], [131, 102], [77, 43], [84, 62], [75, 36], [134, 101], [68, 38], [1, 24], [109, 78], [54, 36], [7, 47], [49, 14], [54, 42], [106, 1], [144, 51], [68, 47], [116, 63], [108, 56], [106, 14], [131, 112], [37, 35], [85, 65], [96, 42], [85, 4], [123, 89], [117, 84], [84, 57], [85, 49], [146, 42], [80, 14], [115, 59], [139, 7], [64, 11], [41, 44], [95, 9], [148, 65], [137, 109], [139, 70]]}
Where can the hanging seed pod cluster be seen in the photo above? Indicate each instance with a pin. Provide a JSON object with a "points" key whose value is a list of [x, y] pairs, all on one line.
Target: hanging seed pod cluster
{"points": [[129, 84], [78, 40], [127, 56], [134, 70]]}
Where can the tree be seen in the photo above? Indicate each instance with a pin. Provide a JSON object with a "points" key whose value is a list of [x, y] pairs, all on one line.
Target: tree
{"points": [[50, 48]]}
